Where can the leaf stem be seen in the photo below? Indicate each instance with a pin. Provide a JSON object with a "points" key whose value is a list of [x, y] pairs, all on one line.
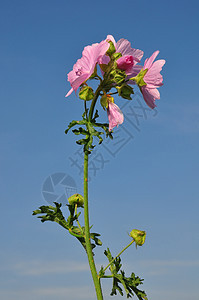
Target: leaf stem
{"points": [[118, 255]]}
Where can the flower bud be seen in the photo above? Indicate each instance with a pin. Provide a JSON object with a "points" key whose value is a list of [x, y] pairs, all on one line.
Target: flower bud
{"points": [[138, 236], [125, 62], [76, 199], [86, 93], [125, 91]]}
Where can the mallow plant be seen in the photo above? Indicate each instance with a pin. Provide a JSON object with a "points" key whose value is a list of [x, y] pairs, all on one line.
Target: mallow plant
{"points": [[116, 68]]}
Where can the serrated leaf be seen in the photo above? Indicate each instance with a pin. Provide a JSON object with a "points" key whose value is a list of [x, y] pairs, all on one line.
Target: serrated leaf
{"points": [[129, 284]]}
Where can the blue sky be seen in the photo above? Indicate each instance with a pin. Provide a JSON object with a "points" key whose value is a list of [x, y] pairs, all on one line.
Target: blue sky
{"points": [[150, 183]]}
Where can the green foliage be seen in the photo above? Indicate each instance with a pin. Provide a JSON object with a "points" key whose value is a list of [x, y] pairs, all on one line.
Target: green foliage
{"points": [[89, 132], [54, 214], [129, 284]]}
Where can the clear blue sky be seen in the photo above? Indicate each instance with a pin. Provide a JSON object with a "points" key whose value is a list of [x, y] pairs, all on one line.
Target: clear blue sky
{"points": [[150, 183]]}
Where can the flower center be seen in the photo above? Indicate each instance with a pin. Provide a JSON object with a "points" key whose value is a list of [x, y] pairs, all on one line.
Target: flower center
{"points": [[79, 72]]}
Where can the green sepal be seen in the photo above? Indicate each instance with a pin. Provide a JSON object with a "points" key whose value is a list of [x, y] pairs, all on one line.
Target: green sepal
{"points": [[118, 76], [104, 67], [111, 50], [139, 236], [76, 199], [104, 101], [125, 91], [116, 55], [86, 93], [139, 79]]}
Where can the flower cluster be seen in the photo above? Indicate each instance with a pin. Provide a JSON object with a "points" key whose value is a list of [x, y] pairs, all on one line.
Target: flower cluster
{"points": [[120, 68]]}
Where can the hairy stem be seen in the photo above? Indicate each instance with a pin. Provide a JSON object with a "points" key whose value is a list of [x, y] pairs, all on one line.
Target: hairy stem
{"points": [[87, 233]]}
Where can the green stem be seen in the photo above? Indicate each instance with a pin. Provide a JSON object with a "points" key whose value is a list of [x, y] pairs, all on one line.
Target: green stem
{"points": [[118, 255], [77, 219], [87, 233], [94, 102]]}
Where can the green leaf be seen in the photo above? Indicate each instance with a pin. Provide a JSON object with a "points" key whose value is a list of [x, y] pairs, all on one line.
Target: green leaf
{"points": [[94, 236], [74, 123], [120, 281]]}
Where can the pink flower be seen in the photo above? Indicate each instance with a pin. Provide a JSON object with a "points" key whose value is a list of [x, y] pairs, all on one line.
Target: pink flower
{"points": [[115, 115], [85, 66], [124, 47], [130, 56], [153, 79]]}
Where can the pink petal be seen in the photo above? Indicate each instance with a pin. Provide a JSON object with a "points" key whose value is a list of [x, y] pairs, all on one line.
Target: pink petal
{"points": [[84, 67], [79, 80], [111, 38], [134, 72], [150, 95], [115, 115], [69, 92], [148, 62], [124, 47], [153, 78], [104, 60]]}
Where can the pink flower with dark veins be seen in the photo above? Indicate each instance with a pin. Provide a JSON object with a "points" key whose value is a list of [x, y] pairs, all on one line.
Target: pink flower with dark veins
{"points": [[153, 79], [85, 66], [115, 115]]}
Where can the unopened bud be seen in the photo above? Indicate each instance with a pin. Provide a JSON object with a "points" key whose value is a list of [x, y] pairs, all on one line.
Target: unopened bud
{"points": [[76, 199], [138, 236], [86, 93], [125, 62]]}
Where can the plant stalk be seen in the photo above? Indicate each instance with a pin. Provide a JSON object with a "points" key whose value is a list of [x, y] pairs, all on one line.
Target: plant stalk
{"points": [[87, 233]]}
